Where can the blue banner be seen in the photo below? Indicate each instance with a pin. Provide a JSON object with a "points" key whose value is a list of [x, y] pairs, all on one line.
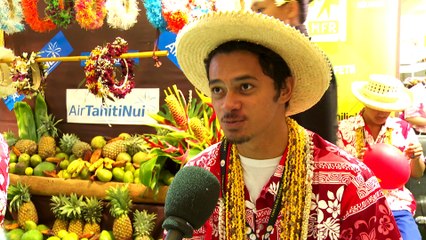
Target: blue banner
{"points": [[166, 41], [12, 99], [58, 46]]}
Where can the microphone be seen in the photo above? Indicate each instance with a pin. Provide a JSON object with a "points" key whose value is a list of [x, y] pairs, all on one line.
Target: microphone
{"points": [[190, 201]]}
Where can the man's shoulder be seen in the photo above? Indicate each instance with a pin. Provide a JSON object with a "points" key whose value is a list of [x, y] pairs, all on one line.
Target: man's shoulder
{"points": [[330, 157], [206, 158]]}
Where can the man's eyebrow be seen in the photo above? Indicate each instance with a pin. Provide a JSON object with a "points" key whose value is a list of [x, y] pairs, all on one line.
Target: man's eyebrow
{"points": [[240, 78]]}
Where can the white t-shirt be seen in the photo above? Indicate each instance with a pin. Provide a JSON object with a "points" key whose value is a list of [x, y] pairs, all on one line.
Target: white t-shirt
{"points": [[257, 173]]}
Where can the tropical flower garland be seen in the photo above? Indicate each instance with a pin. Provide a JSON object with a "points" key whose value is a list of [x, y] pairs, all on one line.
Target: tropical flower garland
{"points": [[178, 13], [61, 12], [101, 79], [122, 14], [28, 76], [33, 19], [297, 190], [90, 14], [360, 141], [11, 16], [153, 14]]}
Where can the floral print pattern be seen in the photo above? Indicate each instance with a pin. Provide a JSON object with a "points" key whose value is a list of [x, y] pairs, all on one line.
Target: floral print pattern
{"points": [[346, 200], [4, 177]]}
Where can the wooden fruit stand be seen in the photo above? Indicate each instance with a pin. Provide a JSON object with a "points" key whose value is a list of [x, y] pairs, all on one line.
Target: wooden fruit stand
{"points": [[48, 186], [42, 188]]}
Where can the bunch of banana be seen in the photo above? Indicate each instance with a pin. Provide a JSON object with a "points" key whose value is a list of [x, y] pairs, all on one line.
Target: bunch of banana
{"points": [[98, 164], [102, 163], [76, 167]]}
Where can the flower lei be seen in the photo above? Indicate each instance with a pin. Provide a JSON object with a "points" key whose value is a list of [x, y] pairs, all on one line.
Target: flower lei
{"points": [[100, 75], [122, 14], [28, 76], [90, 14], [153, 14], [297, 190], [32, 18], [11, 16], [178, 13], [360, 142], [61, 12]]}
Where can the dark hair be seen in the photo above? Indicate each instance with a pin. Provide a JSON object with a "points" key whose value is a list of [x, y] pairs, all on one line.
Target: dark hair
{"points": [[303, 13], [303, 10], [272, 64]]}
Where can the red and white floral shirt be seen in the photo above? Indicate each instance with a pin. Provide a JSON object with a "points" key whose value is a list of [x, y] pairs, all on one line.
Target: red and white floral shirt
{"points": [[402, 135], [346, 200], [4, 177]]}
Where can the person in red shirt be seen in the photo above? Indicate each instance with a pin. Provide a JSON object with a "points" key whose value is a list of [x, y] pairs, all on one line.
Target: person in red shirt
{"points": [[381, 95], [4, 177], [278, 180]]}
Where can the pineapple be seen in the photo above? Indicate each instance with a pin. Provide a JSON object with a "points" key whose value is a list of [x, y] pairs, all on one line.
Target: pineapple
{"points": [[26, 146], [73, 210], [134, 144], [19, 198], [120, 206], [48, 133], [46, 147], [92, 214], [143, 223], [67, 141], [112, 149], [61, 220], [79, 148]]}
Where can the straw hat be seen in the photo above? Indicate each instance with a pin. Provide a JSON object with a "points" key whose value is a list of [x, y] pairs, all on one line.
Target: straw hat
{"points": [[383, 93], [309, 66]]}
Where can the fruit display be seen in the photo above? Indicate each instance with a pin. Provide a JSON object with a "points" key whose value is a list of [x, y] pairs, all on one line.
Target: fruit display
{"points": [[84, 177], [78, 217], [183, 129]]}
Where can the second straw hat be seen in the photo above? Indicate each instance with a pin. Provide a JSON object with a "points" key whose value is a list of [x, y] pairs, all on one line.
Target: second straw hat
{"points": [[383, 93]]}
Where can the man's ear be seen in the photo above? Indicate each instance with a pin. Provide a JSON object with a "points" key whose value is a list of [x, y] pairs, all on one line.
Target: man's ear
{"points": [[291, 12], [287, 90]]}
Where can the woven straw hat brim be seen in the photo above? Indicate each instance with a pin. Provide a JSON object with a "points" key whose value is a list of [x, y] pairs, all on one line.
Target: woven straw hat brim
{"points": [[403, 102], [307, 62]]}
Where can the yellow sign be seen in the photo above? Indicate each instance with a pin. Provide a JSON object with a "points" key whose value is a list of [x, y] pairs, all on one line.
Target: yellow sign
{"points": [[360, 37]]}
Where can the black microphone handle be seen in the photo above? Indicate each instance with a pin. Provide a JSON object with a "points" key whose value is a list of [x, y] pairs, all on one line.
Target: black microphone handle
{"points": [[174, 234], [177, 228]]}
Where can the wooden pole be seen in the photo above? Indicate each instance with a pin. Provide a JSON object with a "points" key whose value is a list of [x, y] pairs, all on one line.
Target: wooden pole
{"points": [[81, 58]]}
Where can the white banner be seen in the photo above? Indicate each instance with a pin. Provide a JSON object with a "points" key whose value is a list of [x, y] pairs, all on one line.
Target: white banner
{"points": [[84, 107]]}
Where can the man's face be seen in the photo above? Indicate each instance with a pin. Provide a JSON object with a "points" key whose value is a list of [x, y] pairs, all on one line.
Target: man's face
{"points": [[268, 7], [375, 117], [242, 96]]}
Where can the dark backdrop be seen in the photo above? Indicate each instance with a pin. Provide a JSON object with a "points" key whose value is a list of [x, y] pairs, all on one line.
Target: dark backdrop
{"points": [[140, 37]]}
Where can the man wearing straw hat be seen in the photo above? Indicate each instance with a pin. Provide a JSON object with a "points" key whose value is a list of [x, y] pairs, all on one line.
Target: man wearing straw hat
{"points": [[278, 180], [381, 95]]}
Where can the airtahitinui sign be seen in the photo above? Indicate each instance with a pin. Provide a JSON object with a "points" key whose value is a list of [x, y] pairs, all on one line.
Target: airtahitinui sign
{"points": [[134, 109]]}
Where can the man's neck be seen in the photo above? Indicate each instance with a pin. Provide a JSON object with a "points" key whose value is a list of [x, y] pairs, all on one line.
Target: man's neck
{"points": [[266, 148]]}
